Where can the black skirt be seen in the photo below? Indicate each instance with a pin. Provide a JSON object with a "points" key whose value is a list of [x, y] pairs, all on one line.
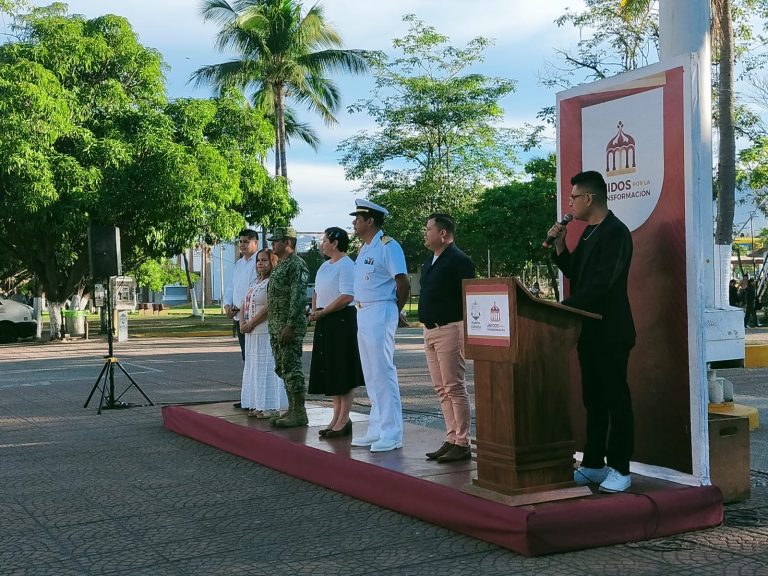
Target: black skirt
{"points": [[335, 368]]}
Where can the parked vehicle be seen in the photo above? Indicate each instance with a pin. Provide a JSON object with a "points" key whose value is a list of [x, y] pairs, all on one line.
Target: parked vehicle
{"points": [[16, 321]]}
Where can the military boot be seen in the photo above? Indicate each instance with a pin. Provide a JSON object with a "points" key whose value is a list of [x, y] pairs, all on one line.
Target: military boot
{"points": [[286, 414], [298, 416]]}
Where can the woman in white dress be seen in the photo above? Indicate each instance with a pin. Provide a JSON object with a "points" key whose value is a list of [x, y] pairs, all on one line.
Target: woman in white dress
{"points": [[263, 392]]}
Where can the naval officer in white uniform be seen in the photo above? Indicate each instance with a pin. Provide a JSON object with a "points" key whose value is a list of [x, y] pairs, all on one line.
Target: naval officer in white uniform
{"points": [[381, 290]]}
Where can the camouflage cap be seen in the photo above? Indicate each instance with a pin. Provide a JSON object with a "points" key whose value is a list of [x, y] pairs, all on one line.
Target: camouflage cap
{"points": [[282, 233]]}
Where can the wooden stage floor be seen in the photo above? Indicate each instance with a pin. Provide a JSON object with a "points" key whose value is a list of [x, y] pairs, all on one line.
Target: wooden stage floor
{"points": [[405, 481]]}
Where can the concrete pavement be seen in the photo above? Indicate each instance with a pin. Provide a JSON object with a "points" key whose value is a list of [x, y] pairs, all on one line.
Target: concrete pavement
{"points": [[117, 495]]}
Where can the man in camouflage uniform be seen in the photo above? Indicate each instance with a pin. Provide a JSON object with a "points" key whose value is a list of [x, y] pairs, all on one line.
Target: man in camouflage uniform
{"points": [[286, 301]]}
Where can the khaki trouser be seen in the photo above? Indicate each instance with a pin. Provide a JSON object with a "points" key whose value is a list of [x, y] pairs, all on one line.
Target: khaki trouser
{"points": [[444, 347]]}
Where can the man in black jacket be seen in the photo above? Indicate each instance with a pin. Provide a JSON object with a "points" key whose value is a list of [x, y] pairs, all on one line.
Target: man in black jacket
{"points": [[441, 310], [598, 270]]}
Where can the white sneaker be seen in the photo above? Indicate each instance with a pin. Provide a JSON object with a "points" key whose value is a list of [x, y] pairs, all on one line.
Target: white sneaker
{"points": [[583, 476], [385, 445], [364, 441], [615, 482]]}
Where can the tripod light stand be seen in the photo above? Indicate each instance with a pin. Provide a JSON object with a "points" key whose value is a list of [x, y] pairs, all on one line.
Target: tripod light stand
{"points": [[106, 377]]}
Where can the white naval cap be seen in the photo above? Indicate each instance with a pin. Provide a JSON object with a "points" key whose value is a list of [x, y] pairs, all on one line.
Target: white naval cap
{"points": [[363, 206]]}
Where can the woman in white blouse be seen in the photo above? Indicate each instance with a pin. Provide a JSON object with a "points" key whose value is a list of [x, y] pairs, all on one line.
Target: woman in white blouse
{"points": [[335, 370], [263, 392]]}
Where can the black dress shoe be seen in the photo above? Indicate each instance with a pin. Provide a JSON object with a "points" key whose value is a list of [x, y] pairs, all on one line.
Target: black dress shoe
{"points": [[456, 454], [440, 451], [346, 431], [238, 405], [323, 432]]}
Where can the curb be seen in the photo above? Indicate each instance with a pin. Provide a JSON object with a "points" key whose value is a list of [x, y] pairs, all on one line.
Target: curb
{"points": [[756, 356]]}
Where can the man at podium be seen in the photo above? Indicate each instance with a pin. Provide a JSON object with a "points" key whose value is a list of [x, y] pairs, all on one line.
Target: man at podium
{"points": [[598, 269]]}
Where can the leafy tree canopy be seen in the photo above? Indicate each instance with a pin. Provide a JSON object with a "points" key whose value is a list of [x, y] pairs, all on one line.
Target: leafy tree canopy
{"points": [[508, 221], [621, 35], [88, 137], [155, 274], [440, 138]]}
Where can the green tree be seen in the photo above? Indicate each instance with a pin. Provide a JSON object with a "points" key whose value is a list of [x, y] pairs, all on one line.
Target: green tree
{"points": [[621, 35], [155, 274], [88, 137], [313, 258], [13, 275], [13, 7], [507, 223], [439, 141], [731, 36], [611, 41], [616, 41], [282, 53]]}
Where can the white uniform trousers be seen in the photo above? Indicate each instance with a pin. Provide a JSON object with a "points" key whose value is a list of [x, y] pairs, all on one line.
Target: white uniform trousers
{"points": [[376, 325]]}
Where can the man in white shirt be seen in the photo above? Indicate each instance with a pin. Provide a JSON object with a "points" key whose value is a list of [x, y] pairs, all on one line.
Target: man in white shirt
{"points": [[243, 274]]}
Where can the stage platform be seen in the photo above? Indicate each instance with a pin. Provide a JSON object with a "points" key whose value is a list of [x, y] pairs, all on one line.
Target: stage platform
{"points": [[405, 481]]}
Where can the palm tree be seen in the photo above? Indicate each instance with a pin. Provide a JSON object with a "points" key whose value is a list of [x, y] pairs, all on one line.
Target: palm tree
{"points": [[282, 55], [723, 45]]}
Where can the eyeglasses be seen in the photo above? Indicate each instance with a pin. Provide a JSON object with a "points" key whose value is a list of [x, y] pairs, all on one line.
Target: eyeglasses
{"points": [[573, 197]]}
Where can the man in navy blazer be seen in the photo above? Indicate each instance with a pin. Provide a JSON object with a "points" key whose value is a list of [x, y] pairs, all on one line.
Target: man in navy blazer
{"points": [[441, 310], [598, 270]]}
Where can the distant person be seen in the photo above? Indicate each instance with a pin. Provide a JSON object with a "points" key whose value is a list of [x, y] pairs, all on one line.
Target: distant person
{"points": [[441, 311], [762, 304], [750, 304], [335, 369], [286, 302], [263, 392], [598, 270], [243, 275], [535, 289], [381, 290], [733, 293], [743, 288]]}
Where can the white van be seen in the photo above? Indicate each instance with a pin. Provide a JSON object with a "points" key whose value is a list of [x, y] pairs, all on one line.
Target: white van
{"points": [[16, 321]]}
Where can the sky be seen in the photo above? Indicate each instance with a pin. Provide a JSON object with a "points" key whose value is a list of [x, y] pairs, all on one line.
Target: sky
{"points": [[525, 38]]}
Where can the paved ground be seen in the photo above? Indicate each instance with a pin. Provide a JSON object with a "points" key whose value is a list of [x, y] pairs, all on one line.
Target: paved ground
{"points": [[117, 495]]}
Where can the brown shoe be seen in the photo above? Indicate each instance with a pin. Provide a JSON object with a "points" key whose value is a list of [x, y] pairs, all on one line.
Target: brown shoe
{"points": [[440, 451], [456, 454]]}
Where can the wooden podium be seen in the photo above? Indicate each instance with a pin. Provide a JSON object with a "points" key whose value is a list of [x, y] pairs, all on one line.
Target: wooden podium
{"points": [[520, 345]]}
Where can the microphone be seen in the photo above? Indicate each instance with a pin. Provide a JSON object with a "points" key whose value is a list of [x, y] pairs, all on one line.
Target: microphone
{"points": [[564, 222]]}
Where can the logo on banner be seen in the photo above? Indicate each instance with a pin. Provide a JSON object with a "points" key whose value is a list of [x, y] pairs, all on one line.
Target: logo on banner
{"points": [[495, 313], [475, 323], [620, 155], [475, 312], [633, 158], [494, 323]]}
